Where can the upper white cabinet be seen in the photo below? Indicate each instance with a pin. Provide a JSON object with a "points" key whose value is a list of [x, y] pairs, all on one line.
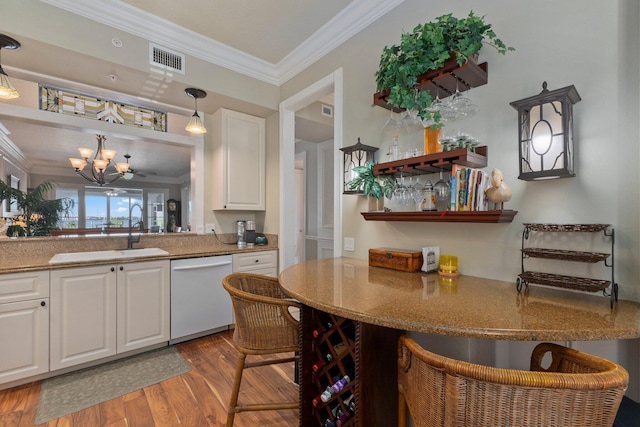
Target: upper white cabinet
{"points": [[238, 161]]}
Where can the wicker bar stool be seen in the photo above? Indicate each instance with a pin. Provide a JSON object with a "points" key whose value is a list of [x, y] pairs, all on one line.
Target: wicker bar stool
{"points": [[577, 390], [264, 325]]}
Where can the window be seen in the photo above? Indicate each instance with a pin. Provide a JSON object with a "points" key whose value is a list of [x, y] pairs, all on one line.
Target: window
{"points": [[71, 219]]}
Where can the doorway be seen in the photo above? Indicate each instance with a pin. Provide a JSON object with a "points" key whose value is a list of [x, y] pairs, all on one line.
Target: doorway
{"points": [[287, 235]]}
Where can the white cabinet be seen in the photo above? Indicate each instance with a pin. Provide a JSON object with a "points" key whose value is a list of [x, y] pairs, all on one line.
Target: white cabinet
{"points": [[265, 262], [83, 315], [239, 164], [143, 305], [99, 311], [24, 325]]}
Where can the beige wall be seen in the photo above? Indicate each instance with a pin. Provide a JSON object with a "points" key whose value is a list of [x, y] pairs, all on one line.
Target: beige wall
{"points": [[553, 43]]}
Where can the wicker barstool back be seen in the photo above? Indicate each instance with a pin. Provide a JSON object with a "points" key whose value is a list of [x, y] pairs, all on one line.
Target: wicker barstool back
{"points": [[264, 325], [577, 389]]}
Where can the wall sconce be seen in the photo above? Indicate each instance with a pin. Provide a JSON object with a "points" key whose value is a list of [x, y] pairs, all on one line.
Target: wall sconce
{"points": [[195, 125], [7, 91], [354, 156], [546, 133]]}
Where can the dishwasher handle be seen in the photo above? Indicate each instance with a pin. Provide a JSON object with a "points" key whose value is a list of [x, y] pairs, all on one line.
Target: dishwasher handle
{"points": [[198, 267]]}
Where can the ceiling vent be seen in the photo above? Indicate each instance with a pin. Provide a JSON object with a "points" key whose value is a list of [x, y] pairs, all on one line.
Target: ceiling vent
{"points": [[165, 58]]}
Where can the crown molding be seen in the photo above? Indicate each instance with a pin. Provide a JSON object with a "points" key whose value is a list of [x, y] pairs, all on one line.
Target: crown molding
{"points": [[353, 19], [11, 152], [122, 16]]}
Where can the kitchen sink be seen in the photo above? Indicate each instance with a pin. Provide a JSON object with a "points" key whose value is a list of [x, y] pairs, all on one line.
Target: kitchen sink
{"points": [[105, 255]]}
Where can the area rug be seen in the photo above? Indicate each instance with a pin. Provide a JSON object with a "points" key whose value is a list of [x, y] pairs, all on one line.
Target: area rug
{"points": [[79, 390]]}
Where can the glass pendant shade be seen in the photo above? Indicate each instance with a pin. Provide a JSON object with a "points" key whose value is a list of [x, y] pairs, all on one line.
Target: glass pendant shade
{"points": [[85, 153], [78, 164], [195, 125], [7, 91]]}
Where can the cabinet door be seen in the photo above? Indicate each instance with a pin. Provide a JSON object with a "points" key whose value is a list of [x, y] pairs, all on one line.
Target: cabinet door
{"points": [[83, 315], [143, 304], [238, 161], [24, 338]]}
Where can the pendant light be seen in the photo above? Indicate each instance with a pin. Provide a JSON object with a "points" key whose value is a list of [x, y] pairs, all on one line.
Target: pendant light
{"points": [[195, 124], [7, 91]]}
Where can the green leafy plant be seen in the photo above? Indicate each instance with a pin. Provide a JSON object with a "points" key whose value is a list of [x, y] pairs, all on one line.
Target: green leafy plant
{"points": [[38, 216], [426, 48], [371, 184]]}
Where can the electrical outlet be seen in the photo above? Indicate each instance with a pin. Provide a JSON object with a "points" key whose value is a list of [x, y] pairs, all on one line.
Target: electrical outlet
{"points": [[349, 244], [210, 228]]}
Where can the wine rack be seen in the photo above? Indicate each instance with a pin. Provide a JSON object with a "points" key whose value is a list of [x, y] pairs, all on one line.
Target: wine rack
{"points": [[334, 347], [334, 372]]}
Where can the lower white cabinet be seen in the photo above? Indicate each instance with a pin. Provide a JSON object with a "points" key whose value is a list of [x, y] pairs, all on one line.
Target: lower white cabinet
{"points": [[264, 262], [99, 311], [24, 325]]}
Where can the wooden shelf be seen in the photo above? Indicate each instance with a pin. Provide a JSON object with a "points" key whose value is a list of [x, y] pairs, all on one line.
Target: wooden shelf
{"points": [[446, 216], [433, 163], [443, 81]]}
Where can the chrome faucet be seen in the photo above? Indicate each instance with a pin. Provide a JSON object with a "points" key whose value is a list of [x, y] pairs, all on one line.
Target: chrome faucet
{"points": [[131, 239]]}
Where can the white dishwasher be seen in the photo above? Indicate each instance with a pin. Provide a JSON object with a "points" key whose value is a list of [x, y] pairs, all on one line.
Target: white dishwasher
{"points": [[199, 304]]}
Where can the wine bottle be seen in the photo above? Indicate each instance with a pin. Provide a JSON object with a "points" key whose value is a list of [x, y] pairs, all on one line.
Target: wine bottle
{"points": [[325, 320], [326, 358], [343, 419], [341, 383], [328, 423], [318, 331]]}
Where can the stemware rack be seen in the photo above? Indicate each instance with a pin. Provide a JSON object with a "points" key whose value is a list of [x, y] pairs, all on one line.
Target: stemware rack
{"points": [[607, 287], [444, 81], [434, 163]]}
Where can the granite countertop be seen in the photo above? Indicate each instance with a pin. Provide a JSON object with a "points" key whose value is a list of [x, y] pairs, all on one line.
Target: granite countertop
{"points": [[31, 254], [466, 306]]}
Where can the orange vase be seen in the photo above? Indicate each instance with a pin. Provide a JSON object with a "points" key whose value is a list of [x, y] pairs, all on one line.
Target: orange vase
{"points": [[431, 137]]}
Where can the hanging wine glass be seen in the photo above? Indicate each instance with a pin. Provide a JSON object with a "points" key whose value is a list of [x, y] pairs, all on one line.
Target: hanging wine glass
{"points": [[461, 104], [393, 126], [442, 190], [438, 105]]}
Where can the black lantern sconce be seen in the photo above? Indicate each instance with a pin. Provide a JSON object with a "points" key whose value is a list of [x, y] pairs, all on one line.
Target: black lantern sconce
{"points": [[545, 132], [354, 156]]}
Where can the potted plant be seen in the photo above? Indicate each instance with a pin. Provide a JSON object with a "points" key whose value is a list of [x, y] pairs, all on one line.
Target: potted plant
{"points": [[426, 48], [373, 186], [38, 216]]}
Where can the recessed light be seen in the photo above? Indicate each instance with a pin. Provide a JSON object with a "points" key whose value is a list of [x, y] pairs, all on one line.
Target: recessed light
{"points": [[116, 42]]}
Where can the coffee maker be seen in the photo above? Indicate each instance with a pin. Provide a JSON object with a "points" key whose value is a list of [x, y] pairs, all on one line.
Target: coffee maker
{"points": [[250, 233], [241, 241]]}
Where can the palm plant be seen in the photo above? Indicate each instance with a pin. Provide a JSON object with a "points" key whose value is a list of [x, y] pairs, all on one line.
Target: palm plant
{"points": [[37, 216]]}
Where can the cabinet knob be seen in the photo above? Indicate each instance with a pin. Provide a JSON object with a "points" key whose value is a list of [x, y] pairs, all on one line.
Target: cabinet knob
{"points": [[43, 303], [113, 269], [257, 260], [121, 267]]}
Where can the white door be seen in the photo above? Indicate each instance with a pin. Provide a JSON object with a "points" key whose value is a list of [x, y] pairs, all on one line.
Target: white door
{"points": [[83, 315], [300, 204], [143, 304]]}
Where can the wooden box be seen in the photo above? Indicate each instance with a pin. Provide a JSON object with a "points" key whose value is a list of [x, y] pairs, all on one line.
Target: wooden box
{"points": [[396, 259]]}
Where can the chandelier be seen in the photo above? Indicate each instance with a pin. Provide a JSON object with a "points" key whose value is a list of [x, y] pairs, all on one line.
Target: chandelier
{"points": [[101, 166]]}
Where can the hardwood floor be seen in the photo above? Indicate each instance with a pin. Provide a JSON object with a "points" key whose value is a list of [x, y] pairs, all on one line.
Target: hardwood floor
{"points": [[197, 398]]}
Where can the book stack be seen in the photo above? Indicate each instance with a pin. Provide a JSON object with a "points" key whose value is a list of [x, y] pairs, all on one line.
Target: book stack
{"points": [[467, 189]]}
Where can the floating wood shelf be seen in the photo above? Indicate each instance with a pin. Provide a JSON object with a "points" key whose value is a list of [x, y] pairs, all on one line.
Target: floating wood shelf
{"points": [[446, 216], [433, 163], [444, 81]]}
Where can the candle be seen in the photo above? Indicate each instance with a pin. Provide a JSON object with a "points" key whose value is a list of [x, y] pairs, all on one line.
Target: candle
{"points": [[449, 263]]}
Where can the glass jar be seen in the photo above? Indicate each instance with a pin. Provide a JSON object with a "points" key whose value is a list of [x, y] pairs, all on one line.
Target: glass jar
{"points": [[442, 191], [428, 197]]}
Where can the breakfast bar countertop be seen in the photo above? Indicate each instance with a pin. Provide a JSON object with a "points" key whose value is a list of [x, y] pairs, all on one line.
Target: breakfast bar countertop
{"points": [[466, 306]]}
